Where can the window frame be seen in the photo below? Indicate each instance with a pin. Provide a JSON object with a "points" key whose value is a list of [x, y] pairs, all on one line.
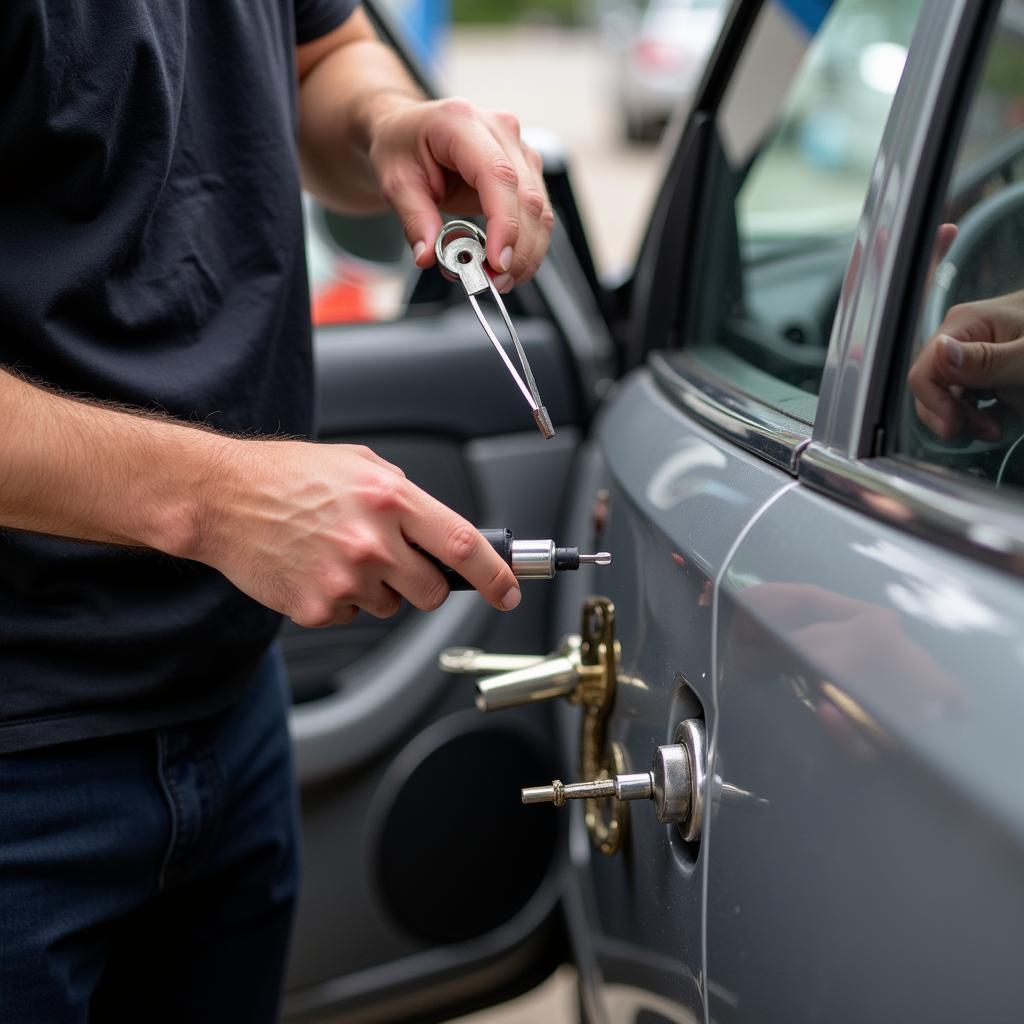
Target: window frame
{"points": [[847, 460], [663, 306]]}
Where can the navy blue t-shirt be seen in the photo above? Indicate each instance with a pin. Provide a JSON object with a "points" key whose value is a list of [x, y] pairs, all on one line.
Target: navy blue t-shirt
{"points": [[151, 253]]}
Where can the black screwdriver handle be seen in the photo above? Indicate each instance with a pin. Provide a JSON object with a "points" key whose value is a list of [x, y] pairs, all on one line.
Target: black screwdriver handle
{"points": [[500, 540]]}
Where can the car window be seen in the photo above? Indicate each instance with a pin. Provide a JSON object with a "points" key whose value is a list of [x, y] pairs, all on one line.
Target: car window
{"points": [[960, 405], [799, 127]]}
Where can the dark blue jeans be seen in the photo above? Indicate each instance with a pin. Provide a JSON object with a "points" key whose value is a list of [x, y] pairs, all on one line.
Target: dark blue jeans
{"points": [[152, 877]]}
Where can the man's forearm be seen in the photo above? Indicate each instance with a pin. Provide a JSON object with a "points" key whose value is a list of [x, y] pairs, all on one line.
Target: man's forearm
{"points": [[91, 472], [340, 99], [313, 531]]}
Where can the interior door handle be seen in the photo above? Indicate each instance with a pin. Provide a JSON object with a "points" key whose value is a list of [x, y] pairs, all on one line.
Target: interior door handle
{"points": [[584, 670], [520, 678], [472, 661]]}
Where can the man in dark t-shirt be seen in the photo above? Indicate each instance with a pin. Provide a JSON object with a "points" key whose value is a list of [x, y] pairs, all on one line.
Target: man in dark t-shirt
{"points": [[154, 340]]}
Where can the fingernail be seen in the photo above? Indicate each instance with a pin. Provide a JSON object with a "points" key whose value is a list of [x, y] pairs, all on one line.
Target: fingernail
{"points": [[505, 259], [511, 599], [418, 250], [954, 352], [503, 283]]}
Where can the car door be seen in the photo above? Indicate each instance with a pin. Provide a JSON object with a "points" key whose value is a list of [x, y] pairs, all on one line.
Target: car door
{"points": [[427, 891], [880, 723], [757, 240]]}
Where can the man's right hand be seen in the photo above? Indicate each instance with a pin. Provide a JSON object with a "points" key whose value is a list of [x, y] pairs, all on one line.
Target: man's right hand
{"points": [[315, 531], [318, 531]]}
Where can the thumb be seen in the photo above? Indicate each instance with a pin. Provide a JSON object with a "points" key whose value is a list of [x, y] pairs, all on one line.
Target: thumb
{"points": [[983, 365]]}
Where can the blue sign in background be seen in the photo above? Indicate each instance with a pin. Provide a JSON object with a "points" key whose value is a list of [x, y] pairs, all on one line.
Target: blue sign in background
{"points": [[425, 22], [809, 13]]}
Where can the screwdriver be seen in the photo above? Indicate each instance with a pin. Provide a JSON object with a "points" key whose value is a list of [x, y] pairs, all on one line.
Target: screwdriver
{"points": [[528, 559]]}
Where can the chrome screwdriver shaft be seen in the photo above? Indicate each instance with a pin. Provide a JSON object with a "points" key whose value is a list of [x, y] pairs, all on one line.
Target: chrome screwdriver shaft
{"points": [[638, 786]]}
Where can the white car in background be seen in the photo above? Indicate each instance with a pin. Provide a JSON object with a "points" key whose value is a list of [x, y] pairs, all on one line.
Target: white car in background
{"points": [[662, 51]]}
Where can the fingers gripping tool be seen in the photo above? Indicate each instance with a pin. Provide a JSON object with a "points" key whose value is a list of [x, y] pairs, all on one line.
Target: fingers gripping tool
{"points": [[461, 256], [528, 559]]}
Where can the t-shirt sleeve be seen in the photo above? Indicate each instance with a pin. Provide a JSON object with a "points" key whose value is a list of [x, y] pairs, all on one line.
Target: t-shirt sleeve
{"points": [[315, 18]]}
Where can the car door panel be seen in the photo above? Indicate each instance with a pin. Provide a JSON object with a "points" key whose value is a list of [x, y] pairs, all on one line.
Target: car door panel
{"points": [[375, 699], [438, 374], [679, 497], [428, 888], [396, 728], [869, 705], [701, 455]]}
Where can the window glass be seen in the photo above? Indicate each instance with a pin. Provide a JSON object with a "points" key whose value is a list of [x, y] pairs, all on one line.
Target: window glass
{"points": [[960, 404], [799, 128]]}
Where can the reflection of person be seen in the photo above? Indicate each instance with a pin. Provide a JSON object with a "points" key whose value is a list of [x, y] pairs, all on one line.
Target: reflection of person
{"points": [[848, 641], [155, 329], [978, 347]]}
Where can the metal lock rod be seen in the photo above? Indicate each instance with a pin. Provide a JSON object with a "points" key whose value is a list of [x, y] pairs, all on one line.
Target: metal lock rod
{"points": [[472, 661], [521, 678], [461, 256], [555, 676], [675, 784]]}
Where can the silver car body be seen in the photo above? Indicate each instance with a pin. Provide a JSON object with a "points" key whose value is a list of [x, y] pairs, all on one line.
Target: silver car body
{"points": [[851, 635]]}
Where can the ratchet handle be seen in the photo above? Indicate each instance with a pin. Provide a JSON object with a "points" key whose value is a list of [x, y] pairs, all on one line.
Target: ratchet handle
{"points": [[500, 540]]}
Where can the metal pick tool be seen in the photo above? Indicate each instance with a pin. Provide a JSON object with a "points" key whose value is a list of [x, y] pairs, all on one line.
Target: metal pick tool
{"points": [[461, 256]]}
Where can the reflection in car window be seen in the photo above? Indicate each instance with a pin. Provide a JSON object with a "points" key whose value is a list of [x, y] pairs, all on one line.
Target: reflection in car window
{"points": [[799, 127], [961, 401]]}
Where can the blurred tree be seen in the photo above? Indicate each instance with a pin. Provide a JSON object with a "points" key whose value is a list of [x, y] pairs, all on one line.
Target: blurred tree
{"points": [[490, 12]]}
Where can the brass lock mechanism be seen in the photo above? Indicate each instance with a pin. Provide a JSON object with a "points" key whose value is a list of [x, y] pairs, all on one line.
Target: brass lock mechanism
{"points": [[583, 670]]}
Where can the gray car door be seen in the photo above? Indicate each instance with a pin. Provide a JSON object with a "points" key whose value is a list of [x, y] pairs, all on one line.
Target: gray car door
{"points": [[427, 890], [869, 652], [755, 235]]}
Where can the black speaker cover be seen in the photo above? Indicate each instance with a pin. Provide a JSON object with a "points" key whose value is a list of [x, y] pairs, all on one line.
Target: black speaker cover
{"points": [[459, 853]]}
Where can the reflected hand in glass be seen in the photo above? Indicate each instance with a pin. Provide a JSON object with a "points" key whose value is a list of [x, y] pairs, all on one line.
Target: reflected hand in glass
{"points": [[977, 352]]}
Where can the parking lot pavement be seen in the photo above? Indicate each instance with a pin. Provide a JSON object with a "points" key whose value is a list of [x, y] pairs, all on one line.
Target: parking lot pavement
{"points": [[554, 1002], [561, 80]]}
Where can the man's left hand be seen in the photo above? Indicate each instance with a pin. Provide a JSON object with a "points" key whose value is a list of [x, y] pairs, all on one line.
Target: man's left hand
{"points": [[450, 155], [367, 136]]}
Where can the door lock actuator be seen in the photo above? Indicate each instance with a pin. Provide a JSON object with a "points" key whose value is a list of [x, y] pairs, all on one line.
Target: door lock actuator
{"points": [[583, 671], [528, 559]]}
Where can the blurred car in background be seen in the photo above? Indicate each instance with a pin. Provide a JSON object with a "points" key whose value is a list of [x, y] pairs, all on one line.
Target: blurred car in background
{"points": [[661, 53]]}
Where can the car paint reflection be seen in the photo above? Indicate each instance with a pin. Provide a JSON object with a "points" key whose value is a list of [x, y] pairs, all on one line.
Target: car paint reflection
{"points": [[847, 640], [931, 595]]}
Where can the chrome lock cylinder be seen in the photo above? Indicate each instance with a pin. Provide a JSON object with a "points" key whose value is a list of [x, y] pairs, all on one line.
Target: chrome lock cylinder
{"points": [[676, 783]]}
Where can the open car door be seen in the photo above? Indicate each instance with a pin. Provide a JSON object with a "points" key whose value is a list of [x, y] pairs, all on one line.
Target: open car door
{"points": [[428, 889]]}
